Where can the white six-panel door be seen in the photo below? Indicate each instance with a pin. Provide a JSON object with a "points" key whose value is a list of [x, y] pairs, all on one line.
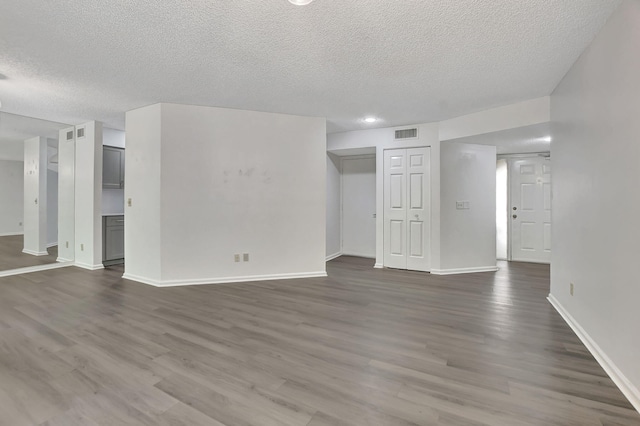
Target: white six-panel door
{"points": [[407, 209], [530, 209]]}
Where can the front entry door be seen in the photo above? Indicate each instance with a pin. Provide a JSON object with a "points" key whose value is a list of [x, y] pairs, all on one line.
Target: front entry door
{"points": [[407, 209], [530, 210]]}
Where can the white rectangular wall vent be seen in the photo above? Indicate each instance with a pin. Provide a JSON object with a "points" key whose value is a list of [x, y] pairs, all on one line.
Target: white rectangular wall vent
{"points": [[407, 133], [70, 135], [80, 132]]}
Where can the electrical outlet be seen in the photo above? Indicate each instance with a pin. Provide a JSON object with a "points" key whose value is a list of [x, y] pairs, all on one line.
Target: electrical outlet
{"points": [[81, 247], [129, 202], [236, 257], [245, 257], [571, 288]]}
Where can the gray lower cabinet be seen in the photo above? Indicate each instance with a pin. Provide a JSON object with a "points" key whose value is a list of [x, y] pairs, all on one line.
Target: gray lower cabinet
{"points": [[112, 167], [112, 240]]}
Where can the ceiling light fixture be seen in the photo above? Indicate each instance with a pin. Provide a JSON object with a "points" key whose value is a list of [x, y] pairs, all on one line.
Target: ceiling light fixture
{"points": [[370, 120], [300, 2]]}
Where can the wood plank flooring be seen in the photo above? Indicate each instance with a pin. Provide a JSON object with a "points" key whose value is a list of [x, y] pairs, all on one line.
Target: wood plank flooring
{"points": [[12, 257], [361, 347]]}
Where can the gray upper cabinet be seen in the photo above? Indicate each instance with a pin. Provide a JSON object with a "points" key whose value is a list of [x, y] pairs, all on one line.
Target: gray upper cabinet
{"points": [[112, 168]]}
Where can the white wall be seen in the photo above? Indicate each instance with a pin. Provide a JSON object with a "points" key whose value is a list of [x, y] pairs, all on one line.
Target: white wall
{"points": [[383, 139], [521, 114], [52, 193], [66, 196], [12, 150], [88, 197], [142, 237], [11, 197], [231, 182], [35, 196], [113, 137], [468, 236], [334, 232], [596, 202], [52, 208], [359, 206], [113, 199]]}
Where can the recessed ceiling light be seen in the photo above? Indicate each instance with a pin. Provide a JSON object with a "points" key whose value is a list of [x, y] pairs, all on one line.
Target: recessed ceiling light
{"points": [[370, 120], [300, 2], [545, 139]]}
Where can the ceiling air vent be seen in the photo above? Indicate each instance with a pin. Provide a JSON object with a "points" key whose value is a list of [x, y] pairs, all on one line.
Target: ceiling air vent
{"points": [[407, 133], [80, 132], [70, 135]]}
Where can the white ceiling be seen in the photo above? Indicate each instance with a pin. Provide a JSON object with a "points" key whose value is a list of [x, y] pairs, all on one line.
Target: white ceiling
{"points": [[406, 62], [521, 140]]}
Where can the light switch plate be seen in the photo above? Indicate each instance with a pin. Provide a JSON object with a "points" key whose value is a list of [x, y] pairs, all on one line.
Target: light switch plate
{"points": [[459, 205]]}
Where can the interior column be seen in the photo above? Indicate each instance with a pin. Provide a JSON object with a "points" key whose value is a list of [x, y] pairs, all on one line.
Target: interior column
{"points": [[35, 196]]}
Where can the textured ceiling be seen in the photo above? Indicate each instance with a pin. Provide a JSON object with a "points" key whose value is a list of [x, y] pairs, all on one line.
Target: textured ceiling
{"points": [[408, 61]]}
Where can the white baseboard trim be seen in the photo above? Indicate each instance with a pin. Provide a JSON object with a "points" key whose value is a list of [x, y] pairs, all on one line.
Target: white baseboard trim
{"points": [[365, 256], [88, 266], [11, 234], [333, 256], [378, 266], [628, 389], [226, 280], [531, 261], [464, 270], [52, 245], [38, 268], [35, 253], [62, 259]]}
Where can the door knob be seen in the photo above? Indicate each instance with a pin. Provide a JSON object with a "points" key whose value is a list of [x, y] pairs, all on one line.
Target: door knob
{"points": [[515, 216]]}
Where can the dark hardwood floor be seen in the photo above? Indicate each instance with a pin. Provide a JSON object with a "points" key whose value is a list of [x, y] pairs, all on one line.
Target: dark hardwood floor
{"points": [[361, 347], [12, 257]]}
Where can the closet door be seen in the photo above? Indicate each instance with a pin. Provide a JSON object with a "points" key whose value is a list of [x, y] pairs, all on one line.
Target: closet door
{"points": [[395, 208], [418, 209], [407, 209]]}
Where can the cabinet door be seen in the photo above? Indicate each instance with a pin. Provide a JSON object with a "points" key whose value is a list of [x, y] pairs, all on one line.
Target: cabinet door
{"points": [[114, 243], [122, 168], [112, 168]]}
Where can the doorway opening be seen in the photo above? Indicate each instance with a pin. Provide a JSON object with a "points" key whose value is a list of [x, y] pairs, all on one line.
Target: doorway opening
{"points": [[502, 207], [358, 215]]}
